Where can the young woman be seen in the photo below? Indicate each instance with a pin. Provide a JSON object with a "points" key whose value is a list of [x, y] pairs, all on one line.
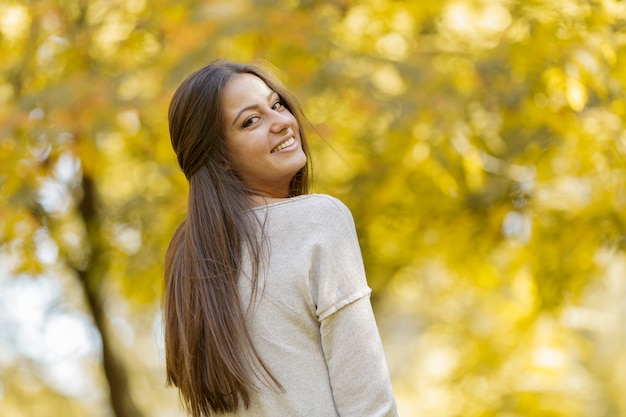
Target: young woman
{"points": [[266, 304]]}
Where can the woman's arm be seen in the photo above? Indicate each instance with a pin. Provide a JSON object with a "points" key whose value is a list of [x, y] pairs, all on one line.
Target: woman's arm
{"points": [[350, 341], [356, 362]]}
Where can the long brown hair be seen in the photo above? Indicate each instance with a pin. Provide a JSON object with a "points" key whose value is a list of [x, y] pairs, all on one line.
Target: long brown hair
{"points": [[209, 353]]}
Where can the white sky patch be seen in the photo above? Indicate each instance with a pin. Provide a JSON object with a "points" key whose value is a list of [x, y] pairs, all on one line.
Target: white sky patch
{"points": [[36, 326], [128, 238], [54, 196], [47, 250], [67, 168]]}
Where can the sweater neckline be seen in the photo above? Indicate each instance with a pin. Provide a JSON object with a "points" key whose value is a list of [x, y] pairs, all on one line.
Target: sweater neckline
{"points": [[282, 202]]}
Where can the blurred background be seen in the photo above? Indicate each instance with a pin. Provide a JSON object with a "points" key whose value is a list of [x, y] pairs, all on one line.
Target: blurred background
{"points": [[479, 144]]}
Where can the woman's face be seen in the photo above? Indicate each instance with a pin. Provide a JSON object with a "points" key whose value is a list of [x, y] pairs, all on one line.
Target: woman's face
{"points": [[262, 136]]}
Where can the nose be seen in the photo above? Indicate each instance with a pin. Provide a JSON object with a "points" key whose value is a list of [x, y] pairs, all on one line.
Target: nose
{"points": [[281, 120]]}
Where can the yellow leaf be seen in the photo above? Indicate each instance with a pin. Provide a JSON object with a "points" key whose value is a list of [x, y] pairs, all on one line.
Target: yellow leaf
{"points": [[576, 94]]}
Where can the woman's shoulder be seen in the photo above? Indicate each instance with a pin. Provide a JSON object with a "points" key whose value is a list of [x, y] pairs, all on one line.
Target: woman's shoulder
{"points": [[310, 209], [318, 204], [305, 200]]}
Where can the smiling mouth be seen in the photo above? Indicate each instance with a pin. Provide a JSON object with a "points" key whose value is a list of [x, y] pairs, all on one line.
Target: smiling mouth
{"points": [[283, 145]]}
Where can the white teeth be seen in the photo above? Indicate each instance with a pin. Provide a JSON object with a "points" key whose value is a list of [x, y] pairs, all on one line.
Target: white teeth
{"points": [[283, 145]]}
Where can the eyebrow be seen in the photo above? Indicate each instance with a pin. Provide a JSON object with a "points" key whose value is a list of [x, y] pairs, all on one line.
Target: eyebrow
{"points": [[254, 106]]}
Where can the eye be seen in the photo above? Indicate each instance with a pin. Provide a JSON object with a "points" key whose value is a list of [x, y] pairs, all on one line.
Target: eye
{"points": [[250, 121], [278, 104]]}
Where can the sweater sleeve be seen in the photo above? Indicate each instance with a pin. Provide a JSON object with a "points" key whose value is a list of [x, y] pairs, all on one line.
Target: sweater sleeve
{"points": [[337, 276], [356, 363], [350, 341]]}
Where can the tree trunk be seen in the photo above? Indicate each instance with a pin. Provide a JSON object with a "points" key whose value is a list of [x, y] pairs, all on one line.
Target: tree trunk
{"points": [[91, 279]]}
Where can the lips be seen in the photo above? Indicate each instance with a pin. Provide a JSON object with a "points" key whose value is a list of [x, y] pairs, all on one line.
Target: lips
{"points": [[283, 145]]}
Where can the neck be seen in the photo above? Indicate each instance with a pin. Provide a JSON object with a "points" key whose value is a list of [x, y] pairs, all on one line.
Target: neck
{"points": [[260, 200]]}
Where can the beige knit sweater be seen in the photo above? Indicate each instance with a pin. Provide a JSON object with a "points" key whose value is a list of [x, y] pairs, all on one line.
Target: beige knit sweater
{"points": [[312, 320]]}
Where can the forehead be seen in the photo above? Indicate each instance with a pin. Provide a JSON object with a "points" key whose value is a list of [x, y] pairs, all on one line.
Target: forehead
{"points": [[244, 90]]}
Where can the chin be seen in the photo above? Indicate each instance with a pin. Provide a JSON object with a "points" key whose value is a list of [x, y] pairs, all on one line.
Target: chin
{"points": [[301, 165]]}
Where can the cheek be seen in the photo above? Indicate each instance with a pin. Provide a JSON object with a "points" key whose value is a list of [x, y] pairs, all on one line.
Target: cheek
{"points": [[235, 146], [294, 122], [242, 157]]}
